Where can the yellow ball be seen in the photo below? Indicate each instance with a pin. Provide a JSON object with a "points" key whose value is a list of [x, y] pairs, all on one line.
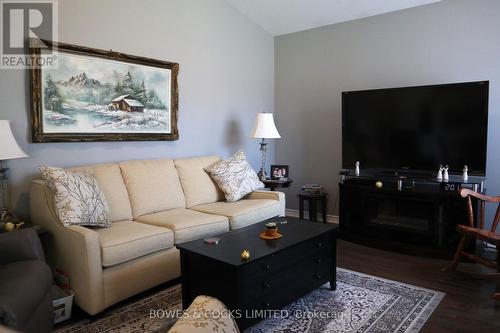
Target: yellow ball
{"points": [[379, 184], [245, 255]]}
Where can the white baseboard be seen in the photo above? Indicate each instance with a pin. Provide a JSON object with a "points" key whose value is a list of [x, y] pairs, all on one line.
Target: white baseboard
{"points": [[295, 213]]}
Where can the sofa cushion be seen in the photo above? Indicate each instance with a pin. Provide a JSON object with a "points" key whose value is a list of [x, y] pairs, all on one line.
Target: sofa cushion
{"points": [[23, 287], [187, 224], [127, 240], [78, 199], [198, 186], [153, 186], [235, 177], [211, 321], [110, 180], [244, 212]]}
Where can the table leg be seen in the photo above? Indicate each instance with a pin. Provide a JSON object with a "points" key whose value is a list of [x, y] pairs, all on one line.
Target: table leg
{"points": [[333, 280], [301, 208], [496, 295], [186, 301], [313, 216], [323, 208]]}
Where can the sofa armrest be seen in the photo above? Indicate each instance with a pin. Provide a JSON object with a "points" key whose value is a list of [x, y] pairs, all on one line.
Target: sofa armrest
{"points": [[75, 250], [205, 314], [20, 245], [274, 195]]}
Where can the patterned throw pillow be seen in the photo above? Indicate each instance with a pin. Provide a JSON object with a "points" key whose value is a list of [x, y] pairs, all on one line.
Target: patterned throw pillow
{"points": [[77, 196], [235, 177]]}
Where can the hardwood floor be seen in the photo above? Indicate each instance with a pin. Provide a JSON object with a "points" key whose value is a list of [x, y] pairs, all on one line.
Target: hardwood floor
{"points": [[467, 306]]}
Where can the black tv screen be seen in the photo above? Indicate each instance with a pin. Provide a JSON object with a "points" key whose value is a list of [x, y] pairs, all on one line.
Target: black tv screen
{"points": [[416, 128]]}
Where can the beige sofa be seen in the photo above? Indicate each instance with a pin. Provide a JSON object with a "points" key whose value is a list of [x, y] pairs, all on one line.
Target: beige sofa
{"points": [[154, 204]]}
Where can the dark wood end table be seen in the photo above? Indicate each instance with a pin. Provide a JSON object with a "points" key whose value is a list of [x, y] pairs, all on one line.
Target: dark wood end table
{"points": [[274, 184], [313, 199]]}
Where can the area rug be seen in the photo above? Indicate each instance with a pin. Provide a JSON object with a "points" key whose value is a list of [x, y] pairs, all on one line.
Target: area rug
{"points": [[361, 303]]}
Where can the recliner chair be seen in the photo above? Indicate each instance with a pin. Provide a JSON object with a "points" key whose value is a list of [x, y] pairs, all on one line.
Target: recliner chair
{"points": [[25, 283]]}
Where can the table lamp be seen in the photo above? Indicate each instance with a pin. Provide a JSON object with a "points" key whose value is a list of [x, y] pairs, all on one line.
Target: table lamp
{"points": [[9, 149], [264, 129]]}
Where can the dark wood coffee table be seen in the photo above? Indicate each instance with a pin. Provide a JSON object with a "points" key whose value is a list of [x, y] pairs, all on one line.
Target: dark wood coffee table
{"points": [[278, 272]]}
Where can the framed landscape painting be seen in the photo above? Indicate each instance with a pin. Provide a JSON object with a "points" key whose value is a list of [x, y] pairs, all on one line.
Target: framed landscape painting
{"points": [[98, 95]]}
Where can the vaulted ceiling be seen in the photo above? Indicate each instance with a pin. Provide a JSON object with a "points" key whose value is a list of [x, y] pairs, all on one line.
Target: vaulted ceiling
{"points": [[280, 17]]}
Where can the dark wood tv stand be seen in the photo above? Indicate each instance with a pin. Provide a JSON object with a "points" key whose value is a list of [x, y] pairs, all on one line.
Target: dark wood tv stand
{"points": [[416, 215]]}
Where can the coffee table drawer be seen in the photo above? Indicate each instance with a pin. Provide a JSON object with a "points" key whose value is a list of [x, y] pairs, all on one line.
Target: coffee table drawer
{"points": [[315, 268], [276, 262]]}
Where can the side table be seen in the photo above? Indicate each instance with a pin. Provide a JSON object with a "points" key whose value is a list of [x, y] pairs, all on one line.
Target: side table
{"points": [[273, 184], [313, 199], [39, 230]]}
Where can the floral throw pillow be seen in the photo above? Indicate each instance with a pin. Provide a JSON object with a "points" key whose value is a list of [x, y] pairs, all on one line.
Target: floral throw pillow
{"points": [[235, 177], [77, 197]]}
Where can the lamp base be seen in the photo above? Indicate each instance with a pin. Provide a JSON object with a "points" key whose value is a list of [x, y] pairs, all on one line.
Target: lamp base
{"points": [[263, 150], [5, 217], [4, 213]]}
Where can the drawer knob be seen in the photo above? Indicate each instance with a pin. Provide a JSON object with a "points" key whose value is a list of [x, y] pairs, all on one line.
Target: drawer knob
{"points": [[318, 260], [267, 266], [320, 244], [266, 285]]}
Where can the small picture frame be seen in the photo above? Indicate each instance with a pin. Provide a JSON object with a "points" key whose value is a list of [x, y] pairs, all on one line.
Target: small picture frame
{"points": [[280, 172]]}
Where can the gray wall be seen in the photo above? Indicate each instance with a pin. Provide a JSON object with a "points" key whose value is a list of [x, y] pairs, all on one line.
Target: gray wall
{"points": [[449, 41], [226, 77]]}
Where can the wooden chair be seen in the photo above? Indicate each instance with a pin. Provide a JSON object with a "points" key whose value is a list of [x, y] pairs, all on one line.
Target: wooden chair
{"points": [[478, 233]]}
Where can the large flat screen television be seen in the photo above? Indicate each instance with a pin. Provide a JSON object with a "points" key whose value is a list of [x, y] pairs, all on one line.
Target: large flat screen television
{"points": [[416, 128]]}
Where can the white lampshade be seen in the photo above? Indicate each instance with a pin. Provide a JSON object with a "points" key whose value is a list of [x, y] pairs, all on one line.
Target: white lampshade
{"points": [[9, 149], [264, 127]]}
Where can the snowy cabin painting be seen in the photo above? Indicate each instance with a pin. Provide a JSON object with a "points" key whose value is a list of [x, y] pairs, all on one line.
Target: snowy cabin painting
{"points": [[92, 95], [126, 103]]}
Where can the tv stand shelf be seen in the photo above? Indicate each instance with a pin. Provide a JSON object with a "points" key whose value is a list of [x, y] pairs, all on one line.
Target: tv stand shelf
{"points": [[417, 215], [414, 181]]}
